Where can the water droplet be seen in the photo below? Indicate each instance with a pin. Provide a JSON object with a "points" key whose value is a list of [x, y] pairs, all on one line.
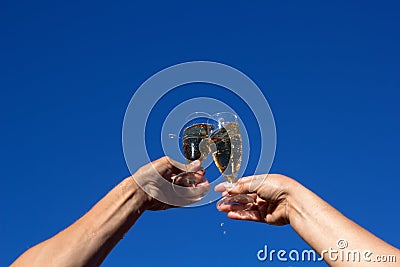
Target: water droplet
{"points": [[224, 232], [222, 224], [172, 136]]}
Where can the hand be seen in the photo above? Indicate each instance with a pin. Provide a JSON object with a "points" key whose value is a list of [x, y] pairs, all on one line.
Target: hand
{"points": [[155, 180], [270, 193]]}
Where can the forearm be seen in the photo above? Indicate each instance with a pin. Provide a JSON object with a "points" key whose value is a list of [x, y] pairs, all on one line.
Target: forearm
{"points": [[322, 226], [88, 241]]}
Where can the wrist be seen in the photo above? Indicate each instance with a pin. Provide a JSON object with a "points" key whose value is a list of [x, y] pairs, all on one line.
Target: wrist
{"points": [[300, 204], [292, 191], [139, 198]]}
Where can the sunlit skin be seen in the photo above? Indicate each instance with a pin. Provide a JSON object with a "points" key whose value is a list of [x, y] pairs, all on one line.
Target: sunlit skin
{"points": [[281, 200], [89, 240]]}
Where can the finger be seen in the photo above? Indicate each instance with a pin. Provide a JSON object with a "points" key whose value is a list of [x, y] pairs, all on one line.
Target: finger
{"points": [[253, 195], [220, 187], [240, 187], [248, 184], [189, 179], [197, 193], [244, 185], [201, 171], [175, 166], [234, 207], [200, 178], [192, 191], [194, 166], [200, 188], [247, 215], [202, 181]]}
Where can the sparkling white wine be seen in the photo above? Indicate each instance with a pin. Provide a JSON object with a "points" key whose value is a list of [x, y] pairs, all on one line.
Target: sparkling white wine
{"points": [[228, 154], [193, 147]]}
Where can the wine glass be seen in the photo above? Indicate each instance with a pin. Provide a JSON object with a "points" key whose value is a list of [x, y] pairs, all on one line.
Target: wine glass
{"points": [[195, 145], [227, 138]]}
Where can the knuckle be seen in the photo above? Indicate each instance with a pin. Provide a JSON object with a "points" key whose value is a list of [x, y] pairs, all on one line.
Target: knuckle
{"points": [[165, 160]]}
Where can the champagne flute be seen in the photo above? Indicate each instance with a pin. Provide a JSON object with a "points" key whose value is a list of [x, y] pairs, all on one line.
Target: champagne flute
{"points": [[195, 145], [228, 155]]}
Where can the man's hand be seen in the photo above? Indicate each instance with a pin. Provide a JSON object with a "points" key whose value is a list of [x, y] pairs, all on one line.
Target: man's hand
{"points": [[89, 240], [155, 179]]}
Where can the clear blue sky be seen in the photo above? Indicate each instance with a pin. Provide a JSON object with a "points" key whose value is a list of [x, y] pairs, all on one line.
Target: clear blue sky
{"points": [[330, 72]]}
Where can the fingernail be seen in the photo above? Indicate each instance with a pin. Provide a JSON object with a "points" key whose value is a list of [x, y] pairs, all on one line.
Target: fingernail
{"points": [[219, 187], [195, 163]]}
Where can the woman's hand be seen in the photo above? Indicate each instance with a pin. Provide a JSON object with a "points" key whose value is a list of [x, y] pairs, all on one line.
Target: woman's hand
{"points": [[270, 192]]}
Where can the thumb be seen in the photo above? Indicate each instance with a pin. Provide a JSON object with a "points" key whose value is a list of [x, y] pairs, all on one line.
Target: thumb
{"points": [[193, 166], [244, 185]]}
